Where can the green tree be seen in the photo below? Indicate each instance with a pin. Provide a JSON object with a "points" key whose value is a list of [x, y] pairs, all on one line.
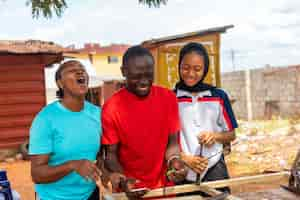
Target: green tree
{"points": [[46, 8]]}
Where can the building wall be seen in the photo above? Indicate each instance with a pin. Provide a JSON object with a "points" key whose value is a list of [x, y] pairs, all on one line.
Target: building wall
{"points": [[104, 68], [232, 83], [273, 92], [22, 90], [100, 62]]}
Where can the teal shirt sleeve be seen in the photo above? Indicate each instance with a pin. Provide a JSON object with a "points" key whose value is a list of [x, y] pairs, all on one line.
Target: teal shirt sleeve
{"points": [[40, 138]]}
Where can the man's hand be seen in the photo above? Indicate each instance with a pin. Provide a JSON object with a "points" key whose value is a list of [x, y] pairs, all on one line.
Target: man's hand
{"points": [[207, 138], [127, 186], [196, 163], [87, 169], [116, 179], [176, 170], [120, 182]]}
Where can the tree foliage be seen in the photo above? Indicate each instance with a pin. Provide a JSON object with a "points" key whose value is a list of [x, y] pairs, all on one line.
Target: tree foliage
{"points": [[46, 8], [153, 3]]}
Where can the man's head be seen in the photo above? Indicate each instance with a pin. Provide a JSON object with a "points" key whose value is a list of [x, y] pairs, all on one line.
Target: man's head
{"points": [[138, 69]]}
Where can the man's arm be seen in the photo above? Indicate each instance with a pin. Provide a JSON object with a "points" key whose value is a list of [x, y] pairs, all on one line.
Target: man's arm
{"points": [[175, 164], [115, 169], [173, 148], [111, 160]]}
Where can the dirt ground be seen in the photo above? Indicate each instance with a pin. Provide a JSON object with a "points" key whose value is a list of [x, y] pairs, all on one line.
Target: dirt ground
{"points": [[18, 174], [251, 154]]}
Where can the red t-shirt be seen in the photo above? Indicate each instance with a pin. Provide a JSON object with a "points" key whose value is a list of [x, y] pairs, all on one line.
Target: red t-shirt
{"points": [[141, 126]]}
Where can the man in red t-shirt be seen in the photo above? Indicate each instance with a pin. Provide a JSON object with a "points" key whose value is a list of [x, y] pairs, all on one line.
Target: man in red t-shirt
{"points": [[141, 126]]}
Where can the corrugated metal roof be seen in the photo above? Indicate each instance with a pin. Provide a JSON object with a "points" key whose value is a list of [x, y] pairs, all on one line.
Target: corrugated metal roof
{"points": [[30, 47], [221, 29]]}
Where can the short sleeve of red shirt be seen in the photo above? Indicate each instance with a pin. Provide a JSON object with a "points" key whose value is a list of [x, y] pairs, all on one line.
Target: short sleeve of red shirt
{"points": [[110, 133], [174, 122]]}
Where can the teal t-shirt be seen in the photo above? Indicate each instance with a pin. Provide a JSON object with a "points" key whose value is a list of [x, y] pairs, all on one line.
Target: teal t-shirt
{"points": [[66, 135]]}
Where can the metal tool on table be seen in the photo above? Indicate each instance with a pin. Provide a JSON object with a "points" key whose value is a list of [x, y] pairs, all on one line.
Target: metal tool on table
{"points": [[222, 195], [198, 178], [294, 180]]}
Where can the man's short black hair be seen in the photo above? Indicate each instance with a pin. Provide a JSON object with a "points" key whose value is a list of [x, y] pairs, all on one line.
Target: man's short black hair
{"points": [[135, 51]]}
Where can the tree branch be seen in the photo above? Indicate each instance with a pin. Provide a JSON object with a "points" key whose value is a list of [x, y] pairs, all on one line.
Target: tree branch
{"points": [[46, 8]]}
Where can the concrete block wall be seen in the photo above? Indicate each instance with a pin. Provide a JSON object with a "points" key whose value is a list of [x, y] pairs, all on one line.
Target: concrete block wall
{"points": [[273, 90]]}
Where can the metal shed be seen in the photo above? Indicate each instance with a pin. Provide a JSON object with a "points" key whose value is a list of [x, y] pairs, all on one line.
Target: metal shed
{"points": [[22, 86], [166, 53]]}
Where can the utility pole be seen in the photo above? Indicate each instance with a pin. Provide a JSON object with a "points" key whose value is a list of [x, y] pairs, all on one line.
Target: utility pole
{"points": [[232, 59]]}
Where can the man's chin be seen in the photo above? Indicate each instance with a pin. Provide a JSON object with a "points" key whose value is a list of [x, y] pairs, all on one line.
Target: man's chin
{"points": [[142, 93]]}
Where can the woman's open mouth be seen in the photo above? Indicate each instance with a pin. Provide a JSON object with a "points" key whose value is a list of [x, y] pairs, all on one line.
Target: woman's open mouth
{"points": [[81, 81]]}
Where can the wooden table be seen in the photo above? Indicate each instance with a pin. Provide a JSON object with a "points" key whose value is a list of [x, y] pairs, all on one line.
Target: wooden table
{"points": [[210, 188]]}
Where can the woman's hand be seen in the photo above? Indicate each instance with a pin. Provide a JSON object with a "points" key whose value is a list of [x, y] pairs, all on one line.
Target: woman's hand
{"points": [[207, 138], [87, 169], [196, 163]]}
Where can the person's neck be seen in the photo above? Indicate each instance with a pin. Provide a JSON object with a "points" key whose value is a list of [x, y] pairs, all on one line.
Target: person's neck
{"points": [[74, 104], [194, 94], [136, 95]]}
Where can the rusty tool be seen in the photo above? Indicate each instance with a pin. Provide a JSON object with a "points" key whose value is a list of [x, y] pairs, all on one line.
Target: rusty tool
{"points": [[294, 180], [221, 196], [198, 179]]}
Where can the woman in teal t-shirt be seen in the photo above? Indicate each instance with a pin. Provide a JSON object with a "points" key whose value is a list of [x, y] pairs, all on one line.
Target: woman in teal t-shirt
{"points": [[65, 140]]}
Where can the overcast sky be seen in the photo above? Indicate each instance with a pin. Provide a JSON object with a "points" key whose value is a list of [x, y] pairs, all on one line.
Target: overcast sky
{"points": [[265, 32]]}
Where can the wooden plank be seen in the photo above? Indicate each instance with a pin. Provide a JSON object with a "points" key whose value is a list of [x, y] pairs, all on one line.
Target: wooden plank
{"points": [[31, 75], [213, 192], [16, 121], [14, 132], [14, 67], [206, 189], [14, 144], [27, 60], [30, 59], [20, 109], [25, 98], [190, 197], [21, 86], [274, 177]]}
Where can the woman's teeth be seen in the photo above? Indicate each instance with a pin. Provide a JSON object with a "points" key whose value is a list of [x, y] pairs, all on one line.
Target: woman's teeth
{"points": [[80, 81]]}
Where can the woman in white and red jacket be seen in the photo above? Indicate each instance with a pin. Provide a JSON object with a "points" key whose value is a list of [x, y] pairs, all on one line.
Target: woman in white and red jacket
{"points": [[206, 116]]}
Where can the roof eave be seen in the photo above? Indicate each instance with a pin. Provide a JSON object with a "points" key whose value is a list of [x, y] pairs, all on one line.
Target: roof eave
{"points": [[222, 29]]}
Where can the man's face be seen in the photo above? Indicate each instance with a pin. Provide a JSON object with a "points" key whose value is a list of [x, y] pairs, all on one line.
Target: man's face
{"points": [[139, 75]]}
